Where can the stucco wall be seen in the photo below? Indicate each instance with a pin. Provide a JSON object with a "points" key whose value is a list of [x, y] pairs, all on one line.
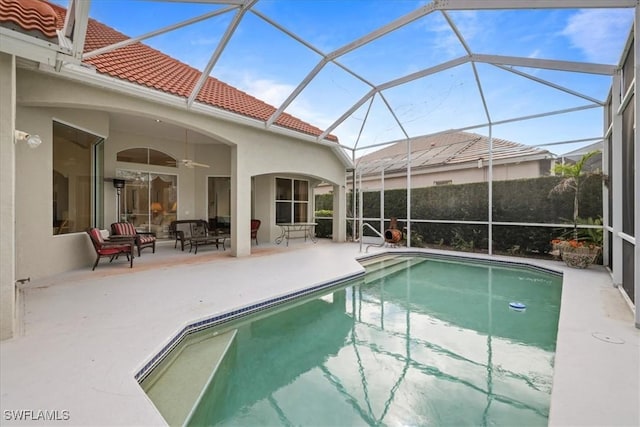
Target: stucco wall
{"points": [[247, 151], [7, 214], [420, 179]]}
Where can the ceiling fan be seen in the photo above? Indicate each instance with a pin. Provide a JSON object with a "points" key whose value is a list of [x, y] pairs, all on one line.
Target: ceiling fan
{"points": [[186, 161]]}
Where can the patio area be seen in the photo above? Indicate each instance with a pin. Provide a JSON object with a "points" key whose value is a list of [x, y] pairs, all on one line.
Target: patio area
{"points": [[83, 335]]}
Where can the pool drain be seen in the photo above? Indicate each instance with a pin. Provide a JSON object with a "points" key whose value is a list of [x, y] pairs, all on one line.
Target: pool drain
{"points": [[607, 338]]}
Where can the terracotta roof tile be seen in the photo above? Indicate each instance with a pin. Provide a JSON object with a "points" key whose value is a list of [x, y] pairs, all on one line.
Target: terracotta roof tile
{"points": [[143, 65], [32, 17]]}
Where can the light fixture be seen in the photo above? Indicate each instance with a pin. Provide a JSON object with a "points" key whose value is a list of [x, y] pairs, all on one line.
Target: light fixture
{"points": [[33, 141], [118, 184], [156, 207]]}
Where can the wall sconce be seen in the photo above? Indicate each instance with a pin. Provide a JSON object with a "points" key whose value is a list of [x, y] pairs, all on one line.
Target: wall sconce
{"points": [[33, 141]]}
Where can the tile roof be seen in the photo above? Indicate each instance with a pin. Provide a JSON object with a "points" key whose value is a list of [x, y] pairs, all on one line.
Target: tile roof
{"points": [[32, 17], [145, 66], [445, 149]]}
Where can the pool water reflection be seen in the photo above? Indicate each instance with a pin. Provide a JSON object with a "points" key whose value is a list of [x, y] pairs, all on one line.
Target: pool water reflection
{"points": [[420, 341]]}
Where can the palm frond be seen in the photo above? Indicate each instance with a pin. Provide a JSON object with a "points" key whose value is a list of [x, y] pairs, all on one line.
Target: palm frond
{"points": [[567, 184]]}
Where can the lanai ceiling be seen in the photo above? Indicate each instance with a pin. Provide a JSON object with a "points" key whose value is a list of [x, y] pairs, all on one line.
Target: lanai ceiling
{"points": [[373, 72]]}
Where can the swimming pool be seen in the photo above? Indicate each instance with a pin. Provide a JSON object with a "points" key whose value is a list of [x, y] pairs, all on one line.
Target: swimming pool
{"points": [[416, 341]]}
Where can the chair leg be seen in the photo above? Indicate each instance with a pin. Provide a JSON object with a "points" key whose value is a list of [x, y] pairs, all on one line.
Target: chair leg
{"points": [[154, 247], [130, 258], [95, 263]]}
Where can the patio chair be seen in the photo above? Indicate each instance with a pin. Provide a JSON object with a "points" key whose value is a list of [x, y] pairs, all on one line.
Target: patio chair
{"points": [[255, 225], [143, 239], [111, 249]]}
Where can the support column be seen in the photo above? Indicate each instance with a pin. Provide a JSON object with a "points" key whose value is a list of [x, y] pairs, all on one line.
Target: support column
{"points": [[240, 204], [339, 233], [636, 152], [7, 195], [616, 181]]}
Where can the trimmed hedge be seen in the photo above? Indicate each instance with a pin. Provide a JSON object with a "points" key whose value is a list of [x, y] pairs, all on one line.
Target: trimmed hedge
{"points": [[522, 200]]}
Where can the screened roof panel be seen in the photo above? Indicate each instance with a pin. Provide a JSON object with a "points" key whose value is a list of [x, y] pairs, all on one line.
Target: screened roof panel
{"points": [[251, 62], [564, 34], [418, 45], [283, 52], [318, 105], [329, 25], [423, 105], [533, 97]]}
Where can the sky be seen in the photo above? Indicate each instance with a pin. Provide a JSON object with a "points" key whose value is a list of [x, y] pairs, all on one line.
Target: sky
{"points": [[263, 61]]}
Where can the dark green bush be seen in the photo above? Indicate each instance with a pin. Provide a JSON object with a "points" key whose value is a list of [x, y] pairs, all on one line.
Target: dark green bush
{"points": [[522, 200]]}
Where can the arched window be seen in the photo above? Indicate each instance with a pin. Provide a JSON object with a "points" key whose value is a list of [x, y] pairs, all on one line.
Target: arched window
{"points": [[146, 156]]}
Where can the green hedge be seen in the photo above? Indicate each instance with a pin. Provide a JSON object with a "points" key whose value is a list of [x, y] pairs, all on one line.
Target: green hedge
{"points": [[522, 200]]}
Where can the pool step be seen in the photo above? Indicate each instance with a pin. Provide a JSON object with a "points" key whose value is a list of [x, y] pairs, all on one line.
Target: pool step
{"points": [[179, 382], [382, 267]]}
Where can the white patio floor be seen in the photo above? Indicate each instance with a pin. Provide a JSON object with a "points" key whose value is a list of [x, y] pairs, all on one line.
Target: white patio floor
{"points": [[84, 334]]}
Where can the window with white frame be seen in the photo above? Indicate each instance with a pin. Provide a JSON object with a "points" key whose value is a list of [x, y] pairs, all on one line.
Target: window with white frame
{"points": [[292, 200], [73, 191]]}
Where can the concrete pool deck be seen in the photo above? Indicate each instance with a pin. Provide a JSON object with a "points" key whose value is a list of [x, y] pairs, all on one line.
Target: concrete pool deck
{"points": [[85, 334]]}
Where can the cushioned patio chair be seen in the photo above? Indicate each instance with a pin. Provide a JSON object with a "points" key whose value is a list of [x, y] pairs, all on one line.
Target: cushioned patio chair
{"points": [[110, 249], [143, 239], [255, 225]]}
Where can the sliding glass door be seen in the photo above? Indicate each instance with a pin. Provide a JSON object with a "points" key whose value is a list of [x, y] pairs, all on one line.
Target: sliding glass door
{"points": [[149, 201], [219, 203]]}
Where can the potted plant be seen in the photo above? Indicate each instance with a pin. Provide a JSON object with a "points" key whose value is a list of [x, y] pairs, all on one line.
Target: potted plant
{"points": [[577, 253], [584, 247]]}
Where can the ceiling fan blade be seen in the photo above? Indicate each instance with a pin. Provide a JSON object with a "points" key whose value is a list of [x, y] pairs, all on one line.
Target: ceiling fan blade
{"points": [[191, 164], [200, 165]]}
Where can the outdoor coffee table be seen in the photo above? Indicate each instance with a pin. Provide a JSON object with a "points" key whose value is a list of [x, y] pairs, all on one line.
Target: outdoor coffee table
{"points": [[214, 239]]}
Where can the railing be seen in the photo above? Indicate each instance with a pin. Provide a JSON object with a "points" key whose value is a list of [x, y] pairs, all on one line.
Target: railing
{"points": [[362, 225]]}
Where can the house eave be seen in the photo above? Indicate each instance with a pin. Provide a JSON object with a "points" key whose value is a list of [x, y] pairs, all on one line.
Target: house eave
{"points": [[32, 48], [87, 75]]}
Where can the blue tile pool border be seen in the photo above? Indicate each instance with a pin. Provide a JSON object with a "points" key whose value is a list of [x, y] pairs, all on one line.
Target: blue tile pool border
{"points": [[232, 315], [477, 260], [248, 310]]}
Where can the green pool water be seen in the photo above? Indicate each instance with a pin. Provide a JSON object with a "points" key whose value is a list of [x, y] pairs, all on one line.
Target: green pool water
{"points": [[417, 342]]}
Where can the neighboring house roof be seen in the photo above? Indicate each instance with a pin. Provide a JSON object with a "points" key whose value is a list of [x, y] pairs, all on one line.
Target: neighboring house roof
{"points": [[455, 148], [141, 64], [593, 163]]}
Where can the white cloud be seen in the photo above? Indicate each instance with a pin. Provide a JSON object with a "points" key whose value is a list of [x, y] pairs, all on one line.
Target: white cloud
{"points": [[269, 91], [468, 25], [274, 93], [599, 33]]}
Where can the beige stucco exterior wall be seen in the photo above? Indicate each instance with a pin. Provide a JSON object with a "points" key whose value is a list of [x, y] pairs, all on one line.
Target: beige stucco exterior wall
{"points": [[247, 152], [419, 179], [37, 249], [7, 193]]}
